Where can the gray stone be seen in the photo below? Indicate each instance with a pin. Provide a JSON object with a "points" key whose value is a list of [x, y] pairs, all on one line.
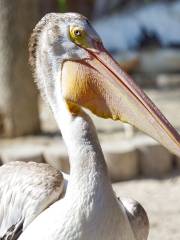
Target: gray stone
{"points": [[129, 131], [155, 160], [128, 60], [57, 157], [122, 161], [164, 60], [20, 152], [168, 80], [168, 101]]}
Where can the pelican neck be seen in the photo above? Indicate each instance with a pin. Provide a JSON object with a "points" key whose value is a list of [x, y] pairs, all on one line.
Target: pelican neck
{"points": [[88, 167]]}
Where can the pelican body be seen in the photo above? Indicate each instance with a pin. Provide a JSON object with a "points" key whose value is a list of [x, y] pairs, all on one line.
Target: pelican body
{"points": [[73, 70], [89, 209]]}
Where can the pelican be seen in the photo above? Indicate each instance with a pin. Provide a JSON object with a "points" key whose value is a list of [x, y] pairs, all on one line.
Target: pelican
{"points": [[73, 71]]}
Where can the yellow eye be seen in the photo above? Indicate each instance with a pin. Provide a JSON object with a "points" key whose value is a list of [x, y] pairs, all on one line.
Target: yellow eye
{"points": [[77, 34]]}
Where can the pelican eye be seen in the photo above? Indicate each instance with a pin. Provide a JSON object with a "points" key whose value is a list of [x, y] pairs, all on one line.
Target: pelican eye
{"points": [[77, 34]]}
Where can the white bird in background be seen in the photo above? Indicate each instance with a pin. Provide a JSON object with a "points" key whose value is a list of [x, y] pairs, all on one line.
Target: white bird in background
{"points": [[73, 70]]}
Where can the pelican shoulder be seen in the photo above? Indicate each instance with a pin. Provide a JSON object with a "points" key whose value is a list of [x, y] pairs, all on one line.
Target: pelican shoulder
{"points": [[26, 189]]}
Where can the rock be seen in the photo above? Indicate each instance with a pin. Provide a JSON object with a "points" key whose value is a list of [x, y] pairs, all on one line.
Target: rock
{"points": [[122, 161], [168, 80], [129, 131], [155, 160], [128, 60], [159, 60], [20, 152], [168, 101], [57, 157]]}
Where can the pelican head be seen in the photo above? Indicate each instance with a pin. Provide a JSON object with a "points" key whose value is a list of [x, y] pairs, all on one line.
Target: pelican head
{"points": [[71, 64]]}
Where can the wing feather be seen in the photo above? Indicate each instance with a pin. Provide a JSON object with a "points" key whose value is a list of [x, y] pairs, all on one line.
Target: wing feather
{"points": [[26, 189]]}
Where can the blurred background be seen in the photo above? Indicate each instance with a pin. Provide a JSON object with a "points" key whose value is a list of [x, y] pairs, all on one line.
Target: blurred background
{"points": [[144, 37]]}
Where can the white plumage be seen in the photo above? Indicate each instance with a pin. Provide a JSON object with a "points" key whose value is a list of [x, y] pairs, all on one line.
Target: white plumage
{"points": [[26, 189], [89, 209]]}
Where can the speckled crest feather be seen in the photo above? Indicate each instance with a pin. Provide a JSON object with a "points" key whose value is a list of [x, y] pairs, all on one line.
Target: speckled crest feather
{"points": [[33, 44]]}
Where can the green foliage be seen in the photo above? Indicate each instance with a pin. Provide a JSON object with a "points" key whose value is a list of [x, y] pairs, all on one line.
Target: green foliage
{"points": [[62, 5], [148, 1]]}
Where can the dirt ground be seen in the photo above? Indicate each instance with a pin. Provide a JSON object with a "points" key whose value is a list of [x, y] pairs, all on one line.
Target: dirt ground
{"points": [[161, 199]]}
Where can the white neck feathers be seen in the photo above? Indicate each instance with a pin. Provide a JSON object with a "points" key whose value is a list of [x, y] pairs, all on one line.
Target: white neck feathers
{"points": [[87, 162]]}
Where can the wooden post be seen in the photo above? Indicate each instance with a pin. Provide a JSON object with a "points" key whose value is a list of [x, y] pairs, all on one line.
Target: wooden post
{"points": [[18, 94]]}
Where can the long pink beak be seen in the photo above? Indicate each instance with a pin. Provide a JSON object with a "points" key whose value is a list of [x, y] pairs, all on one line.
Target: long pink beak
{"points": [[99, 84]]}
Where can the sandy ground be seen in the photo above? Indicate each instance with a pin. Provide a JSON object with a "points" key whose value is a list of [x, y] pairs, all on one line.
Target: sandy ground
{"points": [[161, 199]]}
